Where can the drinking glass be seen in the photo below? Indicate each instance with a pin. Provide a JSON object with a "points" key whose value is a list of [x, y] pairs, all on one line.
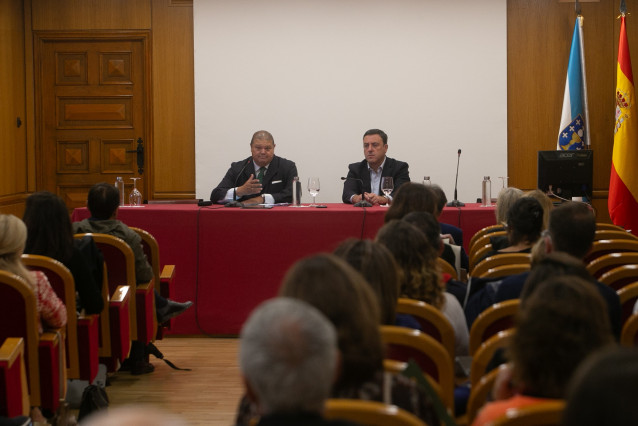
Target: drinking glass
{"points": [[313, 188], [387, 185], [135, 197]]}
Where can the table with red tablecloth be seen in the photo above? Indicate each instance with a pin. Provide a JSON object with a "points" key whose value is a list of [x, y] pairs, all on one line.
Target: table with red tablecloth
{"points": [[229, 260]]}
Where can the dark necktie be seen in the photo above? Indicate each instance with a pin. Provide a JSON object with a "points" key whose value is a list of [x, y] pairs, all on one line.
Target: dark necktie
{"points": [[260, 174]]}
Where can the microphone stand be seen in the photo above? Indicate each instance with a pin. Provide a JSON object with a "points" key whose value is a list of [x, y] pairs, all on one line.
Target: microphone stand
{"points": [[236, 203], [363, 202], [456, 202]]}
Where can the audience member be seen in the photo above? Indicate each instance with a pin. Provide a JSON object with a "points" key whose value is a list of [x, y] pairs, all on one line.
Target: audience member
{"points": [[377, 265], [288, 359], [506, 199], [421, 278], [363, 182], [603, 390], [454, 233], [267, 180], [103, 203], [49, 233], [545, 202], [132, 415], [13, 236], [559, 325], [411, 197]]}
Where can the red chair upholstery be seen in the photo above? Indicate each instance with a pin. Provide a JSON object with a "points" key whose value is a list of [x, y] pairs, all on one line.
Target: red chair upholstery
{"points": [[620, 276], [14, 390], [498, 317], [82, 353], [432, 321], [19, 318]]}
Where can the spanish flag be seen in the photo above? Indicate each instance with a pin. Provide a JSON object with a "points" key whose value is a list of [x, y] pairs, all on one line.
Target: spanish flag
{"points": [[623, 183]]}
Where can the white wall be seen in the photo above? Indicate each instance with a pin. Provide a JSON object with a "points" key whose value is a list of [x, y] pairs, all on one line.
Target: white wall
{"points": [[318, 73]]}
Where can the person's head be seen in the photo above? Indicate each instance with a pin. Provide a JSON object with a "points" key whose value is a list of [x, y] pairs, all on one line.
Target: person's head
{"points": [[262, 148], [506, 198], [417, 260], [346, 299], [103, 201], [441, 199], [133, 415], [375, 146], [288, 356], [431, 228], [561, 323], [572, 227], [603, 390], [49, 227], [377, 265], [411, 197], [553, 265], [13, 236], [545, 202], [524, 221]]}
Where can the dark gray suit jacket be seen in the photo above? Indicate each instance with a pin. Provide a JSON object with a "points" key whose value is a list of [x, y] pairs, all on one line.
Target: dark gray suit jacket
{"points": [[395, 168], [277, 180]]}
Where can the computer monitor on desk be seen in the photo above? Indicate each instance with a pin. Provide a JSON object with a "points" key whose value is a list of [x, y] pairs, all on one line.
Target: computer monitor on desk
{"points": [[566, 173]]}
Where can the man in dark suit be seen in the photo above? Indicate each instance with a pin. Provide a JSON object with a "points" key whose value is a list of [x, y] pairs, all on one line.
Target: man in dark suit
{"points": [[364, 178], [261, 178]]}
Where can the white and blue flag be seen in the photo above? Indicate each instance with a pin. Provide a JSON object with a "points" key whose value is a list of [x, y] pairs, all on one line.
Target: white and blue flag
{"points": [[574, 121]]}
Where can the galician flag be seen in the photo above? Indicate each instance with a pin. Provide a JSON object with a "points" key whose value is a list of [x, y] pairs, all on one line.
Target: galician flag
{"points": [[574, 122], [623, 183]]}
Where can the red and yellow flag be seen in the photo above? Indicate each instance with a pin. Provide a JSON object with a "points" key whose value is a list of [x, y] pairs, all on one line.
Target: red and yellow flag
{"points": [[623, 183]]}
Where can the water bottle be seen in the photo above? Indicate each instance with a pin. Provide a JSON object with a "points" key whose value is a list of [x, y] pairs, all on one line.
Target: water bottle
{"points": [[487, 192], [296, 192], [119, 184], [427, 181]]}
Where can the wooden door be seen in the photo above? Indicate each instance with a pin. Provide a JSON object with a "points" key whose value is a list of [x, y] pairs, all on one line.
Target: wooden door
{"points": [[93, 112]]}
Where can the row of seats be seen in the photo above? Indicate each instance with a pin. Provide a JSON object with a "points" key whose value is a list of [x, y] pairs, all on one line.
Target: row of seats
{"points": [[75, 351]]}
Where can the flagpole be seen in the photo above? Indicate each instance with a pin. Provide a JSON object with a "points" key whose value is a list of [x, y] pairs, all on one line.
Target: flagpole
{"points": [[582, 65]]}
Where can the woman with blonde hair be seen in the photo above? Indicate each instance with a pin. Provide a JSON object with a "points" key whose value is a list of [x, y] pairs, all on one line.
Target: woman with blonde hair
{"points": [[13, 236]]}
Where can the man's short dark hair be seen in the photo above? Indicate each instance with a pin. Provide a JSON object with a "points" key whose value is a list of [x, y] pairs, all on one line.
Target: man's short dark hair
{"points": [[103, 200], [379, 132], [572, 227]]}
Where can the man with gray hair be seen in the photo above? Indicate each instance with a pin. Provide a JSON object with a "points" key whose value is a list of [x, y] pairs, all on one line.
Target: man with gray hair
{"points": [[288, 360]]}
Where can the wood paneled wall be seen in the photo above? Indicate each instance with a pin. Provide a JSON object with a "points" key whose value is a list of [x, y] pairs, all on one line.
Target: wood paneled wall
{"points": [[539, 34]]}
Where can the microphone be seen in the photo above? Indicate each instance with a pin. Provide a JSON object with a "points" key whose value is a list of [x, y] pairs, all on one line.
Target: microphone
{"points": [[236, 203], [363, 202], [456, 202]]}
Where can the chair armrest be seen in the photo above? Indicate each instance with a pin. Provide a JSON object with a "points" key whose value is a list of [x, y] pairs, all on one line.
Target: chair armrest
{"points": [[11, 350], [168, 273], [121, 294]]}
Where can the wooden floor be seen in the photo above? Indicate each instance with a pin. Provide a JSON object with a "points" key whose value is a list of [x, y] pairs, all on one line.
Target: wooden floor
{"points": [[207, 395]]}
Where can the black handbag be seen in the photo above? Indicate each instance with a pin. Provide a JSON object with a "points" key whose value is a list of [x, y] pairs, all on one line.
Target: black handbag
{"points": [[94, 398]]}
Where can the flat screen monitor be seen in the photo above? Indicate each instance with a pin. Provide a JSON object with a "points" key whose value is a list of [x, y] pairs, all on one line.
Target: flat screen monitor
{"points": [[567, 173]]}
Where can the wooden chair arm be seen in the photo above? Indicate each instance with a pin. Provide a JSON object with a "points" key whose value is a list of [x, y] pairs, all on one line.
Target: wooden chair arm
{"points": [[11, 349], [168, 273], [121, 294]]}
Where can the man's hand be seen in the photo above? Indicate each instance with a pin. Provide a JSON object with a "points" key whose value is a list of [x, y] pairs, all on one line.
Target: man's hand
{"points": [[449, 238], [252, 186], [374, 198], [356, 198]]}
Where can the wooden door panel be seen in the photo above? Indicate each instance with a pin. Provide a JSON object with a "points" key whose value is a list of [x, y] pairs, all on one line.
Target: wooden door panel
{"points": [[93, 96]]}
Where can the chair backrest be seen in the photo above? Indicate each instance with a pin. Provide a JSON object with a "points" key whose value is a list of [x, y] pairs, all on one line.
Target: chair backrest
{"points": [[482, 241], [19, 318], [620, 276], [398, 367], [541, 414], [151, 249], [606, 262], [447, 268], [500, 260], [498, 317], [480, 392], [479, 255], [609, 226], [432, 321], [485, 353], [63, 284], [602, 247], [14, 390], [628, 296], [483, 231], [629, 334], [370, 413], [505, 270], [403, 344], [608, 234]]}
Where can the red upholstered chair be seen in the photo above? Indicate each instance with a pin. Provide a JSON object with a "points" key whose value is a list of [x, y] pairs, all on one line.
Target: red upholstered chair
{"points": [[497, 317], [500, 260], [481, 232], [620, 276], [82, 334], [14, 390], [432, 321], [403, 344], [607, 262], [120, 265], [370, 413], [609, 226], [607, 234], [167, 274], [485, 353], [19, 318], [602, 247], [628, 296]]}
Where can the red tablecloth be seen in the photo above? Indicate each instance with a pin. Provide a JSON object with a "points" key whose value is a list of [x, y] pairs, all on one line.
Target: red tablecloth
{"points": [[229, 260]]}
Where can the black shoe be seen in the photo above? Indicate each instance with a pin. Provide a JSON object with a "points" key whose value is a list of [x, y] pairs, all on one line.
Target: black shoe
{"points": [[126, 365], [142, 367], [171, 310]]}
